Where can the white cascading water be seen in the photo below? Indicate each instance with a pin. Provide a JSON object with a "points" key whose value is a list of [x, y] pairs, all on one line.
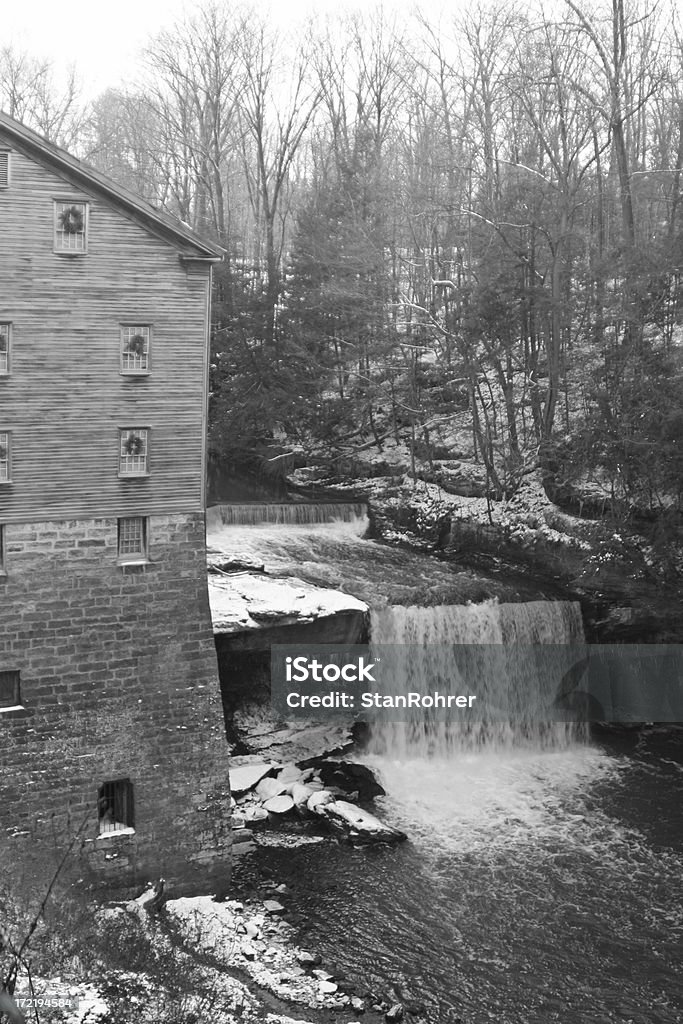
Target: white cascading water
{"points": [[416, 649], [287, 514], [481, 785]]}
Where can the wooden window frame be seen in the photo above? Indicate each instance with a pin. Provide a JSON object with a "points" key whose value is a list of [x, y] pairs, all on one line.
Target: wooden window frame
{"points": [[140, 554], [116, 807], [58, 207], [6, 463], [128, 331], [6, 155], [5, 364], [127, 460], [10, 677]]}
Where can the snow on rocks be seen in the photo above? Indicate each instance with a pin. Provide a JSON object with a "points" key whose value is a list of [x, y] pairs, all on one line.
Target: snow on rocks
{"points": [[252, 937], [268, 788], [279, 804], [246, 601], [282, 795], [245, 776]]}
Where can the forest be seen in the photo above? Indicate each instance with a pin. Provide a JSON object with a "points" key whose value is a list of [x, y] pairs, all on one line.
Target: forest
{"points": [[472, 218]]}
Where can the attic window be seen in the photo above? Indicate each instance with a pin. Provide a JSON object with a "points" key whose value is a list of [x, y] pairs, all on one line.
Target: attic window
{"points": [[10, 695], [71, 226], [4, 169], [115, 807]]}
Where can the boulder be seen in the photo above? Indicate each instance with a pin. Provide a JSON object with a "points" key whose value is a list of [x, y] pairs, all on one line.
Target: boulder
{"points": [[290, 773], [318, 801], [300, 795], [245, 777], [256, 816], [308, 959], [357, 825], [279, 805], [350, 777], [268, 788]]}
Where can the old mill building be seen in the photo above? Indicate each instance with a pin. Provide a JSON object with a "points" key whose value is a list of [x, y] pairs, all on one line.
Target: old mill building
{"points": [[111, 727]]}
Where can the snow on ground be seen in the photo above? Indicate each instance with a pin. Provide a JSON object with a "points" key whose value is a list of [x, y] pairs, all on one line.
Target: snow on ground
{"points": [[244, 600]]}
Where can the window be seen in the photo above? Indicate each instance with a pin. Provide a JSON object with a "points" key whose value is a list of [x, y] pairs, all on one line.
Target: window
{"points": [[71, 226], [133, 452], [5, 466], [134, 348], [115, 807], [10, 695], [4, 169], [133, 539], [4, 349]]}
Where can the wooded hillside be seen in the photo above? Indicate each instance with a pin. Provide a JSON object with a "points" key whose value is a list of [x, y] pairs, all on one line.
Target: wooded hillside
{"points": [[470, 220]]}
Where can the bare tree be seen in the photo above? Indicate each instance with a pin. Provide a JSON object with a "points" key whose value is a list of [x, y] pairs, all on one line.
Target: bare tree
{"points": [[30, 93]]}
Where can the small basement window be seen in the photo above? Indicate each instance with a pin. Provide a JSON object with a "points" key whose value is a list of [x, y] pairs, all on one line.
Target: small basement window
{"points": [[10, 691], [5, 458], [134, 348], [115, 807], [133, 539], [4, 348], [71, 226], [133, 451], [4, 169]]}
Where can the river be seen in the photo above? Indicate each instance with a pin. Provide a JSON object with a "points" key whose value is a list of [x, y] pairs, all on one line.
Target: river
{"points": [[542, 881]]}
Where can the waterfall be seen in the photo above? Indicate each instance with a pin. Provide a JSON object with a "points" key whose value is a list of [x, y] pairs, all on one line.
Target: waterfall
{"points": [[420, 643], [288, 514]]}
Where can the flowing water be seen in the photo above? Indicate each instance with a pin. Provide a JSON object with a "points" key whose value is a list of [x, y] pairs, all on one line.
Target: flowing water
{"points": [[325, 545], [543, 877], [503, 653]]}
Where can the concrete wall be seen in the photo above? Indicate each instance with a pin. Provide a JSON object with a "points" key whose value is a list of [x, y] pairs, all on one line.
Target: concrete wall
{"points": [[118, 680]]}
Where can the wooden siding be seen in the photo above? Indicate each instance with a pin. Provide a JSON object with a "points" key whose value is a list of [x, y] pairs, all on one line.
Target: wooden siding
{"points": [[65, 398]]}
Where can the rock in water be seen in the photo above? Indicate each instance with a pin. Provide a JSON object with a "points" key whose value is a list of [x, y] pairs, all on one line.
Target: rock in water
{"points": [[351, 777], [256, 816], [300, 795], [308, 959], [268, 788], [290, 773], [317, 801], [279, 805], [244, 777], [358, 825]]}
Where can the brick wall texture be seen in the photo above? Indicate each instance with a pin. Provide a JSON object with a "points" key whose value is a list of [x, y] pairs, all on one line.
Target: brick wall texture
{"points": [[118, 680]]}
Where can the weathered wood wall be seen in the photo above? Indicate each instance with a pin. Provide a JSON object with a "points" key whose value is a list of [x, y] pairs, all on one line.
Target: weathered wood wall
{"points": [[65, 398]]}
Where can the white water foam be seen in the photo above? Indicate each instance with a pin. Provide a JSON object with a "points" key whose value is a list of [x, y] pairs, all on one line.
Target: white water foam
{"points": [[505, 661]]}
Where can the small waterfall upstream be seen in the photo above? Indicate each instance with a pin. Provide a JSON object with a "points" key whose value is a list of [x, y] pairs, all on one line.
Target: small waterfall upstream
{"points": [[288, 514], [499, 660]]}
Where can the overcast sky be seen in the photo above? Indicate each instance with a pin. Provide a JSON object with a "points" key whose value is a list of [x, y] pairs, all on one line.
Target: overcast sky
{"points": [[103, 39]]}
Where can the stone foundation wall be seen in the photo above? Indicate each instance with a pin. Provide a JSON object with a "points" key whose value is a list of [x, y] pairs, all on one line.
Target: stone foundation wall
{"points": [[118, 681]]}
